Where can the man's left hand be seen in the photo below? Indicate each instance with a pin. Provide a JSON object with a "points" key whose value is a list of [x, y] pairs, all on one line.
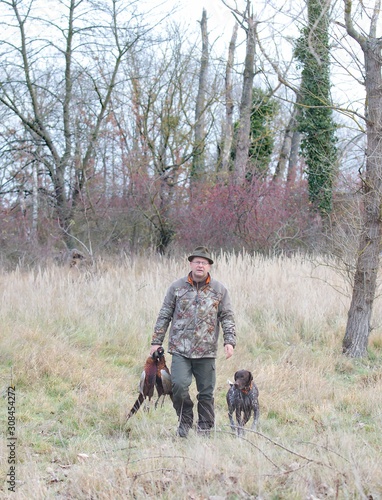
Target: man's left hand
{"points": [[228, 349]]}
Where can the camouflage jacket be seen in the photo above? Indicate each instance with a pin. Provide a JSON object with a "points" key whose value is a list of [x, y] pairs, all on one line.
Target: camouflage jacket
{"points": [[195, 315]]}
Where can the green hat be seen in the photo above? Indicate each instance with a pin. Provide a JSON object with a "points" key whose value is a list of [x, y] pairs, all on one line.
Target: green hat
{"points": [[201, 252]]}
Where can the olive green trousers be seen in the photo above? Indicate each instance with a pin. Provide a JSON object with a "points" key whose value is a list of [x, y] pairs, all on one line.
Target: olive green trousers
{"points": [[203, 370]]}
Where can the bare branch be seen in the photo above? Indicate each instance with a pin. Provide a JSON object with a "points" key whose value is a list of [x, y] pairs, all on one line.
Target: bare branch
{"points": [[350, 26]]}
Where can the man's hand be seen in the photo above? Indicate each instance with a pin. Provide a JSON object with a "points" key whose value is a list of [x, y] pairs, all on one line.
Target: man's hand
{"points": [[228, 349], [153, 349]]}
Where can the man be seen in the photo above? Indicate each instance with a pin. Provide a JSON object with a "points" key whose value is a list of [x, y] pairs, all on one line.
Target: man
{"points": [[196, 305]]}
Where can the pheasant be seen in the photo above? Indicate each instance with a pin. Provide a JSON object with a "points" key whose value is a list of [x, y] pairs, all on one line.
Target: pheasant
{"points": [[155, 375]]}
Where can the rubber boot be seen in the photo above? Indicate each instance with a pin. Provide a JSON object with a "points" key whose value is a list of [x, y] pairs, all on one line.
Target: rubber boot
{"points": [[185, 416], [206, 416]]}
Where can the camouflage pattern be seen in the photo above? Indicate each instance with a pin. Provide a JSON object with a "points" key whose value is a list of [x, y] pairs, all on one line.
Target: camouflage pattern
{"points": [[195, 316]]}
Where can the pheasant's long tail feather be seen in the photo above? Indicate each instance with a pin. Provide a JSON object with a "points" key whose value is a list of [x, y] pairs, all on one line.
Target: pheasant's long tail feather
{"points": [[136, 405]]}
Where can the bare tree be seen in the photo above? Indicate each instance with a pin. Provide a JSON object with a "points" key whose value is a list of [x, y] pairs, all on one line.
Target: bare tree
{"points": [[164, 89], [289, 149], [294, 149], [58, 85], [359, 316], [200, 133], [229, 105], [247, 21]]}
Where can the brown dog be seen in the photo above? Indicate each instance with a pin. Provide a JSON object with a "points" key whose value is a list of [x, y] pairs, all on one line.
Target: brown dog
{"points": [[242, 399]]}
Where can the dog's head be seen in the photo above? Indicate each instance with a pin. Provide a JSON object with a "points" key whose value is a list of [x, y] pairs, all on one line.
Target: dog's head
{"points": [[243, 379]]}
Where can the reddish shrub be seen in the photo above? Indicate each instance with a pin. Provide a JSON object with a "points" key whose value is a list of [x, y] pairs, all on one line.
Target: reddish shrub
{"points": [[264, 216]]}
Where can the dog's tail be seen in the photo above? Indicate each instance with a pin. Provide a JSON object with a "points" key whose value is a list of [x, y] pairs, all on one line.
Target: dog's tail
{"points": [[230, 383]]}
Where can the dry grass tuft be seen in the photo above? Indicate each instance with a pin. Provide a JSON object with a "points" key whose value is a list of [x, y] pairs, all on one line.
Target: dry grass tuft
{"points": [[75, 344]]}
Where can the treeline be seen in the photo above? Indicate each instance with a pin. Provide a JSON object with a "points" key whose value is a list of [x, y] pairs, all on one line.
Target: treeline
{"points": [[118, 135]]}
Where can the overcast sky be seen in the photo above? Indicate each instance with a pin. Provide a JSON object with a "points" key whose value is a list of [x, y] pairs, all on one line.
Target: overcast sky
{"points": [[220, 19], [218, 14]]}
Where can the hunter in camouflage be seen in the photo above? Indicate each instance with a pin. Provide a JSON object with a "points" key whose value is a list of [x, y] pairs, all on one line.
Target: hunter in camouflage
{"points": [[196, 313], [196, 306]]}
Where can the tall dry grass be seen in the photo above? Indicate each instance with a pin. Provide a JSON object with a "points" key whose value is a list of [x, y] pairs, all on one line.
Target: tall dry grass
{"points": [[75, 345]]}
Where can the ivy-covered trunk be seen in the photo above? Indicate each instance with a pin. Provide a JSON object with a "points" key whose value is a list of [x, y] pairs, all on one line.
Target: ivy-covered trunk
{"points": [[315, 120]]}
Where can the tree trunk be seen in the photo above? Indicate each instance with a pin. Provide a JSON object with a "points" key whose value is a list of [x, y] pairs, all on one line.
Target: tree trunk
{"points": [[34, 200], [244, 127], [286, 147], [199, 146], [359, 316], [228, 124], [293, 157], [316, 123]]}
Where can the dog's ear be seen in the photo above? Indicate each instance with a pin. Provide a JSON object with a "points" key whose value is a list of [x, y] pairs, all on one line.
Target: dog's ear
{"points": [[250, 377], [235, 376]]}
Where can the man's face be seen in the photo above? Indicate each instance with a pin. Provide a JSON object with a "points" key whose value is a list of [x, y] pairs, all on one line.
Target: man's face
{"points": [[199, 268]]}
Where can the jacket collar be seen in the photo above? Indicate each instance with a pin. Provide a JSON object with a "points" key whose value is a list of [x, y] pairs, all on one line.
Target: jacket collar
{"points": [[195, 283]]}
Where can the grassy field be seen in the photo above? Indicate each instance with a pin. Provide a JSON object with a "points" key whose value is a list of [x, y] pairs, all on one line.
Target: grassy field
{"points": [[74, 344]]}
